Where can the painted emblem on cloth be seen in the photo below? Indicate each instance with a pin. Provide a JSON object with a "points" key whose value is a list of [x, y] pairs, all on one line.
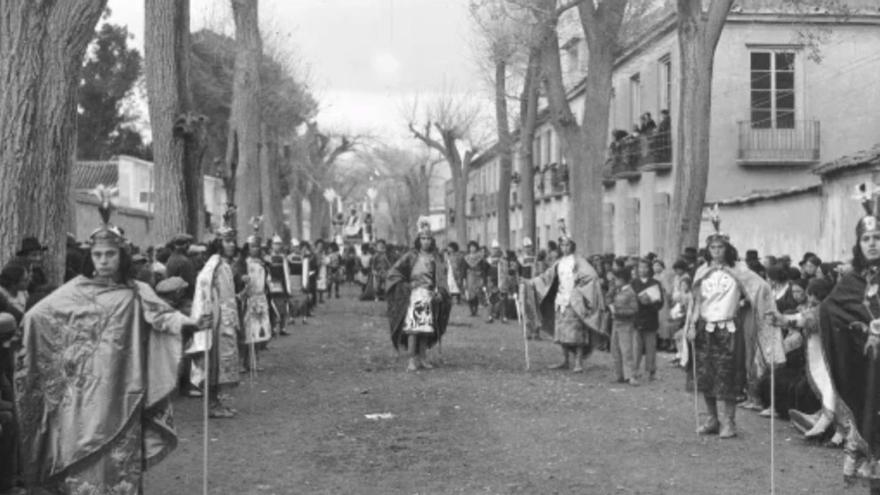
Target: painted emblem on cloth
{"points": [[717, 283]]}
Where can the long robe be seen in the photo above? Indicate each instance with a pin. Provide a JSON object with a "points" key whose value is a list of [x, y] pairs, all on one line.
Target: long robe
{"points": [[586, 300], [215, 294], [399, 290], [257, 325], [93, 378], [855, 376]]}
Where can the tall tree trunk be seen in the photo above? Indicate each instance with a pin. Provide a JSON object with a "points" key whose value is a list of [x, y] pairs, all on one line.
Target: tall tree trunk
{"points": [[270, 187], [459, 184], [244, 122], [528, 127], [42, 45], [505, 154], [319, 215], [698, 34], [178, 187], [584, 145]]}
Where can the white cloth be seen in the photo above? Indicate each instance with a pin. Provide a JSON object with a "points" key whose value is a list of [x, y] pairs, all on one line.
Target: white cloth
{"points": [[720, 301], [565, 272]]}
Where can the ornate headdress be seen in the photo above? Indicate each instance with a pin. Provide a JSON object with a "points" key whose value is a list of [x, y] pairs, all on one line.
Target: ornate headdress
{"points": [[226, 230], [423, 225], [107, 234], [255, 222], [276, 239], [715, 218], [563, 231], [867, 194]]}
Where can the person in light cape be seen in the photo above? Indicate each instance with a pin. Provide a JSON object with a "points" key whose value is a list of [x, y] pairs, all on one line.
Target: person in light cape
{"points": [[568, 296], [97, 365]]}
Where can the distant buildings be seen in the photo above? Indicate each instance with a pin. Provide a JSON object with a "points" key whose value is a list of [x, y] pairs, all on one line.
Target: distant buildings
{"points": [[777, 113], [134, 178]]}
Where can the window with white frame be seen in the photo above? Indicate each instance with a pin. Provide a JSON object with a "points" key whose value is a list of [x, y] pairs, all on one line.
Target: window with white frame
{"points": [[772, 89], [635, 99], [665, 82]]}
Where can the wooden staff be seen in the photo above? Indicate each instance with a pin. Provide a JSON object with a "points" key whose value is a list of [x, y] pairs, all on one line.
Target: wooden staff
{"points": [[206, 395], [519, 303]]}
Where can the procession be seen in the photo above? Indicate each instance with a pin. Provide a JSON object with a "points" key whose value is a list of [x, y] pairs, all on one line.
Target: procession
{"points": [[431, 246]]}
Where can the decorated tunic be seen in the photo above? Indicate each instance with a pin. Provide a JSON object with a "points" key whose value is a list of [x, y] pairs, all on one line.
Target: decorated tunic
{"points": [[257, 326], [416, 271], [215, 294]]}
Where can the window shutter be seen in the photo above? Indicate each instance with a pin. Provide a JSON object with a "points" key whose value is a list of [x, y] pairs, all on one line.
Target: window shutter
{"points": [[631, 226], [661, 216], [608, 228]]}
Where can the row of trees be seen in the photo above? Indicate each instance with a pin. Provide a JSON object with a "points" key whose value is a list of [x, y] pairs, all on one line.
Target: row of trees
{"points": [[216, 104]]}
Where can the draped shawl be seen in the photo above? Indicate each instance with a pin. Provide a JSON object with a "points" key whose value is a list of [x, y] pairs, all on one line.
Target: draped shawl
{"points": [[95, 357]]}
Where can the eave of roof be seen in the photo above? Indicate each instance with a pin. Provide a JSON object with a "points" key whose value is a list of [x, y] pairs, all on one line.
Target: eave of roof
{"points": [[864, 158], [758, 196]]}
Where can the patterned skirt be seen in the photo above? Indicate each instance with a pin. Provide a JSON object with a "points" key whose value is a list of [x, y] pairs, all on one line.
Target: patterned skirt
{"points": [[570, 329], [720, 355]]}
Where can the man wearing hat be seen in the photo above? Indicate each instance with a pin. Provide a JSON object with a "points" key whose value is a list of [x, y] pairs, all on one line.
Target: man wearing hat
{"points": [[179, 264], [31, 255]]}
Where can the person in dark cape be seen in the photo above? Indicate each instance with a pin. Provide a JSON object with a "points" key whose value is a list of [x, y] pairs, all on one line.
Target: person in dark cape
{"points": [[849, 329], [418, 298], [94, 375]]}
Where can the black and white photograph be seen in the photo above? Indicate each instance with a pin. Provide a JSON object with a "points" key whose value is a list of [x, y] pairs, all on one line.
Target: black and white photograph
{"points": [[431, 247]]}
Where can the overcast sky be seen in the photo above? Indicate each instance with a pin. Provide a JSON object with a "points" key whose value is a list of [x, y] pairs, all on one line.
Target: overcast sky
{"points": [[364, 58]]}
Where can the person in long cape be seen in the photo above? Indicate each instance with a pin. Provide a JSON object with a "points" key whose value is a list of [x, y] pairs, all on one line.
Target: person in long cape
{"points": [[93, 377], [849, 328], [216, 287], [419, 303], [569, 299], [278, 271]]}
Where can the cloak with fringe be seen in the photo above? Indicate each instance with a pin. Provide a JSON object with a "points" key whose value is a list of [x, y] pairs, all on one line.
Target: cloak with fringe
{"points": [[398, 293], [95, 358]]}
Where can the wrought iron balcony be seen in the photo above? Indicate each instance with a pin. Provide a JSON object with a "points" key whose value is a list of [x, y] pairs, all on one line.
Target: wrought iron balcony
{"points": [[797, 145], [629, 155]]}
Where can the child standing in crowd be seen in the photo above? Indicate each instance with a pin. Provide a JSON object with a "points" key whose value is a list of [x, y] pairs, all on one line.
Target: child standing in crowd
{"points": [[623, 310]]}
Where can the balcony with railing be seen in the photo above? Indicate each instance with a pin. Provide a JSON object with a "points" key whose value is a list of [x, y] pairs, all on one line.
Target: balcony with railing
{"points": [[795, 145], [551, 181], [629, 156]]}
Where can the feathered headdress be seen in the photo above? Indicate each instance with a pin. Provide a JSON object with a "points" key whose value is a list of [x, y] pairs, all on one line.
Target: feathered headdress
{"points": [[867, 194], [423, 226], [256, 222], [107, 233], [227, 229], [715, 218], [563, 231]]}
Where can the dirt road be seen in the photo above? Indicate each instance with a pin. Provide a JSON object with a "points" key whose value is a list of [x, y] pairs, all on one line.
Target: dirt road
{"points": [[478, 424]]}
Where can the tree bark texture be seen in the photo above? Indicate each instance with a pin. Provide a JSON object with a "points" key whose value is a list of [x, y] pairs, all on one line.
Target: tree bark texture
{"points": [[42, 45], [505, 154], [244, 122], [528, 127], [270, 173], [584, 145], [179, 195], [698, 34]]}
